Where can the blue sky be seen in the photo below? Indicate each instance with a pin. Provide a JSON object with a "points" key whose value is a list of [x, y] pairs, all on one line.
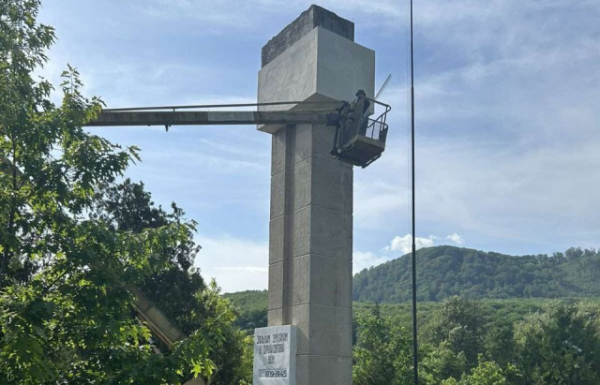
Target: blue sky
{"points": [[508, 119]]}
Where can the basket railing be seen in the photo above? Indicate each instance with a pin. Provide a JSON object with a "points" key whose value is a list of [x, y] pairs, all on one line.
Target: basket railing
{"points": [[377, 128]]}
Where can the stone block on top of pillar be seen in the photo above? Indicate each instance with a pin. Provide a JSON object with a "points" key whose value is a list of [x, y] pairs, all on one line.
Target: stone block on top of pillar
{"points": [[315, 58]]}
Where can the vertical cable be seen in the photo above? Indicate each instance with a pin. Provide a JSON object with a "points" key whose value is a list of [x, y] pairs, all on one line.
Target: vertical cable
{"points": [[414, 247]]}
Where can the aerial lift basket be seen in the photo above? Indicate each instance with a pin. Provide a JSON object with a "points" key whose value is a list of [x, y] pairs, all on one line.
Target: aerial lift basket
{"points": [[359, 141]]}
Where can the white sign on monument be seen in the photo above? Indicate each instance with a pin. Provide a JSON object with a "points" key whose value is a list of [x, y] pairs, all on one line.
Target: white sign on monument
{"points": [[275, 355]]}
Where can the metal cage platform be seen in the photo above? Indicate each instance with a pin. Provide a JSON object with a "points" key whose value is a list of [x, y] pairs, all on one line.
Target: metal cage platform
{"points": [[360, 141]]}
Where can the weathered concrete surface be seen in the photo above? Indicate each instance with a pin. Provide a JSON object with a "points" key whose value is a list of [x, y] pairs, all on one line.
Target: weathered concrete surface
{"points": [[320, 66], [310, 229], [313, 17], [310, 250]]}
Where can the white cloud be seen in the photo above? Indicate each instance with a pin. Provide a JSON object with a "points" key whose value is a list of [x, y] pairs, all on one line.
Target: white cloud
{"points": [[210, 13], [404, 243], [456, 239], [363, 260], [247, 269], [530, 193], [224, 165], [237, 264]]}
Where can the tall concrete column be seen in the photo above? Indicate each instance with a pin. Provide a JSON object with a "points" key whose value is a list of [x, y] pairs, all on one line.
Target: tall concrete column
{"points": [[310, 239]]}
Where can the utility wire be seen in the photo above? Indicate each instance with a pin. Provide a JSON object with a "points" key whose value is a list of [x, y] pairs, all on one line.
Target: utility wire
{"points": [[414, 247]]}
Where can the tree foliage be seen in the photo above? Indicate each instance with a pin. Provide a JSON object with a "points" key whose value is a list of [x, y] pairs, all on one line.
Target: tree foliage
{"points": [[65, 259], [460, 325], [486, 373], [382, 352], [128, 207], [179, 290], [440, 362], [251, 309], [519, 341], [560, 347]]}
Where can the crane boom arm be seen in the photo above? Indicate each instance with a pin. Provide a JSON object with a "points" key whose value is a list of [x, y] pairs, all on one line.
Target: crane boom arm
{"points": [[193, 118]]}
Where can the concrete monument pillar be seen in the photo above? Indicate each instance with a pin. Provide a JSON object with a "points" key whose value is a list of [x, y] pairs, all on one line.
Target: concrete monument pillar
{"points": [[310, 238]]}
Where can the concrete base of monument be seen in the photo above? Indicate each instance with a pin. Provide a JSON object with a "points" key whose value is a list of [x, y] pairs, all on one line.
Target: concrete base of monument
{"points": [[275, 355]]}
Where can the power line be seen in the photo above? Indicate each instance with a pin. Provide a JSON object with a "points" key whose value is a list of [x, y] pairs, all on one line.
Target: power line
{"points": [[414, 248]]}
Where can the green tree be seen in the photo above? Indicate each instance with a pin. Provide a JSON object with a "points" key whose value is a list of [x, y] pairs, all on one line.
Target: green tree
{"points": [[561, 347], [460, 324], [439, 363], [129, 207], [65, 315], [486, 373], [178, 290], [251, 309], [382, 355], [499, 345]]}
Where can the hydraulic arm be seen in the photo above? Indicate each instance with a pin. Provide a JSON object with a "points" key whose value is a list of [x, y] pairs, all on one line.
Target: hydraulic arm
{"points": [[359, 140], [194, 118]]}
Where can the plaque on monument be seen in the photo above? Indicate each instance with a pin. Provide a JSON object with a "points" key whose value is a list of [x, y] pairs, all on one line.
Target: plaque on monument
{"points": [[275, 355]]}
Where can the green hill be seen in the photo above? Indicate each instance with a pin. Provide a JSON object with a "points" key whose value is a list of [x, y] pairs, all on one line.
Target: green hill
{"points": [[444, 271], [517, 307], [250, 307]]}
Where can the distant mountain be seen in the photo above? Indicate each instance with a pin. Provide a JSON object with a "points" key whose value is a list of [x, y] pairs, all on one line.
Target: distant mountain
{"points": [[250, 307], [444, 271]]}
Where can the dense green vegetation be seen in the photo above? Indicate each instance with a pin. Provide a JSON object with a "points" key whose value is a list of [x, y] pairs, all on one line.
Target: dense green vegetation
{"points": [[73, 241], [250, 308], [445, 271], [179, 290], [528, 339], [462, 344], [522, 341]]}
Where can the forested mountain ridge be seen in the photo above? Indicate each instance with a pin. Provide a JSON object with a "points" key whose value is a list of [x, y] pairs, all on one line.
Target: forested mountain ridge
{"points": [[445, 271]]}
